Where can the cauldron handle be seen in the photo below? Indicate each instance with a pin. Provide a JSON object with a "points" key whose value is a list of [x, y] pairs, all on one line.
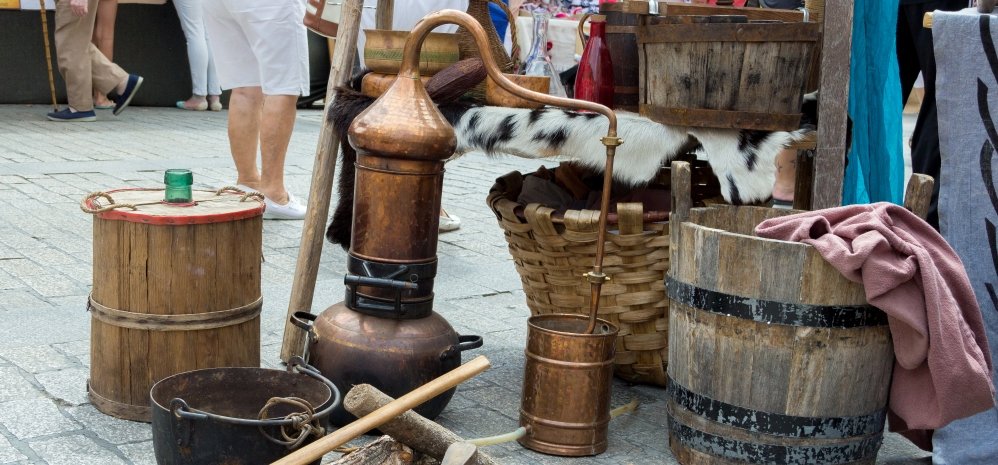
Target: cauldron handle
{"points": [[464, 342], [306, 322], [303, 367], [181, 410]]}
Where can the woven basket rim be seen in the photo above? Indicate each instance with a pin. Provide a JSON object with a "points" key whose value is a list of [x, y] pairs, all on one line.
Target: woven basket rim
{"points": [[499, 200]]}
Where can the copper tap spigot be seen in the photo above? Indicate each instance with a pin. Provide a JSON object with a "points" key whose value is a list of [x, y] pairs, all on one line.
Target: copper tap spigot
{"points": [[404, 123]]}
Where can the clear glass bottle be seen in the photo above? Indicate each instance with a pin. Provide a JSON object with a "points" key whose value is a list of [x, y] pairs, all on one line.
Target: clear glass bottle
{"points": [[539, 60]]}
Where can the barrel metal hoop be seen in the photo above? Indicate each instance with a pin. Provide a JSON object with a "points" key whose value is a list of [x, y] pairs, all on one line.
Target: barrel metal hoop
{"points": [[839, 454], [772, 312], [776, 424], [614, 29], [176, 322], [119, 409]]}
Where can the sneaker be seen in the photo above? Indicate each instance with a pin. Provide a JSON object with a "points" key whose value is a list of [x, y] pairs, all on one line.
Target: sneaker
{"points": [[289, 211], [121, 102], [448, 222], [72, 116]]}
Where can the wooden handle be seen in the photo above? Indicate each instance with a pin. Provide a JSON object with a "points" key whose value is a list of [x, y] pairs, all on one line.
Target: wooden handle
{"points": [[317, 449], [321, 188]]}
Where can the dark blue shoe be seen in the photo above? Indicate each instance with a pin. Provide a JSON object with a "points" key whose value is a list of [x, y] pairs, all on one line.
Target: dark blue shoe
{"points": [[72, 116], [121, 102]]}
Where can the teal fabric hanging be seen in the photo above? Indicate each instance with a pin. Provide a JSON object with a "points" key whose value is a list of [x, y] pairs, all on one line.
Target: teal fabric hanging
{"points": [[875, 170]]}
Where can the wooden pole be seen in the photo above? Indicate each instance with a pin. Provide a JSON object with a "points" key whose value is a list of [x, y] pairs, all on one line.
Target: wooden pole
{"points": [[317, 449], [48, 53], [307, 267], [384, 15], [833, 104]]}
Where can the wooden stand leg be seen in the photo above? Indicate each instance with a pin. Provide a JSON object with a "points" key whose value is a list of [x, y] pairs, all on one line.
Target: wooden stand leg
{"points": [[307, 267], [833, 101]]}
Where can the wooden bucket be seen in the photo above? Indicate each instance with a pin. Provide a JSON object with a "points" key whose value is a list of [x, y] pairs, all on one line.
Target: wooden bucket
{"points": [[175, 288], [721, 75], [622, 21], [383, 51], [774, 357]]}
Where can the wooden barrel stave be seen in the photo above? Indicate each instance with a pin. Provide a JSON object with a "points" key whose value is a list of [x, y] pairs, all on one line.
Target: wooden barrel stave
{"points": [[170, 270], [800, 341]]}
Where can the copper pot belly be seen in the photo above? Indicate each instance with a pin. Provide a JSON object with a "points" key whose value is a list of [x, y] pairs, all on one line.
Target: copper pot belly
{"points": [[393, 355]]}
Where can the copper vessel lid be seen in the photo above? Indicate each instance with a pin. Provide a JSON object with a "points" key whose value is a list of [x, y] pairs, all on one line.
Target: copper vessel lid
{"points": [[404, 123]]}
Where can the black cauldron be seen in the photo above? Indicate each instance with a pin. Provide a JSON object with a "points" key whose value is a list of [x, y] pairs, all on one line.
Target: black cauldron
{"points": [[239, 416]]}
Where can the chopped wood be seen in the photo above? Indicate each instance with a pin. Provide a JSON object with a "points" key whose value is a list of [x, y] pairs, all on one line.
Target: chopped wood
{"points": [[411, 428]]}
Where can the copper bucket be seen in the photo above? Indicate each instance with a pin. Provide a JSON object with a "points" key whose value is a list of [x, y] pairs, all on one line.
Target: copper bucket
{"points": [[566, 385]]}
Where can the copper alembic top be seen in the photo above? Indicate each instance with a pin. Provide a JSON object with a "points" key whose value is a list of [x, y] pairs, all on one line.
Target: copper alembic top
{"points": [[402, 141]]}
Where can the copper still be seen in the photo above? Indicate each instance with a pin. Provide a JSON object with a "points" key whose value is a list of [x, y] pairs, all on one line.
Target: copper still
{"points": [[385, 333]]}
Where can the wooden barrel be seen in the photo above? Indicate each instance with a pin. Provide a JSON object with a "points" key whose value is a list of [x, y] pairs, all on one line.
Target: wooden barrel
{"points": [[774, 357], [726, 75], [621, 36], [175, 288]]}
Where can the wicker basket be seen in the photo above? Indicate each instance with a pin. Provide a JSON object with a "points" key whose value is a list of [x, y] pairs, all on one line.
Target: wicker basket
{"points": [[552, 254]]}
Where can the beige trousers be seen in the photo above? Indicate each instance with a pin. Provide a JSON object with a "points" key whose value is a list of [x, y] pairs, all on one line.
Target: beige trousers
{"points": [[81, 64]]}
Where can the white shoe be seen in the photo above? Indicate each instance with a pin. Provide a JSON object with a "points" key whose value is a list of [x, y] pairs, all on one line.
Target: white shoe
{"points": [[289, 211], [449, 222]]}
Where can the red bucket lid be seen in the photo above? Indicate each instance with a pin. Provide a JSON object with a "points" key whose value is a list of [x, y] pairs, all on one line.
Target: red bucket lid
{"points": [[147, 206]]}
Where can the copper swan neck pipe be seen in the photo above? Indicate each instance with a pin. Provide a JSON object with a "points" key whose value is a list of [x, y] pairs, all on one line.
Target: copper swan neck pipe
{"points": [[410, 70]]}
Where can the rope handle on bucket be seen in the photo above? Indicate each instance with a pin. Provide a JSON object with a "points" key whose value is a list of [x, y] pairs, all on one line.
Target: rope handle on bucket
{"points": [[245, 194], [112, 205], [182, 411]]}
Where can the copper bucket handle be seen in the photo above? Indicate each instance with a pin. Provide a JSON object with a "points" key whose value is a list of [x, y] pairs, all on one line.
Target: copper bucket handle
{"points": [[410, 70]]}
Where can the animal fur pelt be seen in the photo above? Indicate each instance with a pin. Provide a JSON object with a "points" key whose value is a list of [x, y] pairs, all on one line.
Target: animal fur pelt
{"points": [[742, 160]]}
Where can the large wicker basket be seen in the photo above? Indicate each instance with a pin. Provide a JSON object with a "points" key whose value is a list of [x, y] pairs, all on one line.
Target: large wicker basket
{"points": [[551, 255]]}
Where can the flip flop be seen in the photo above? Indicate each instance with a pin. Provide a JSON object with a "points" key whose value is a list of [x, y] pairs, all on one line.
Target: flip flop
{"points": [[104, 107]]}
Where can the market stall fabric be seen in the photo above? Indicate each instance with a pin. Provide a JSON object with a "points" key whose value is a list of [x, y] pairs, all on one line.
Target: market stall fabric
{"points": [[967, 98]]}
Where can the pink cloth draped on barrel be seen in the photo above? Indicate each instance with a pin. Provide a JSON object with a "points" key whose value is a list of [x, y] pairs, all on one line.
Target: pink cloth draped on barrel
{"points": [[942, 369]]}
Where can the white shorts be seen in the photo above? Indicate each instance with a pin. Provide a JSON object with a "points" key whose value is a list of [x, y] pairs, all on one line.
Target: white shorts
{"points": [[259, 43]]}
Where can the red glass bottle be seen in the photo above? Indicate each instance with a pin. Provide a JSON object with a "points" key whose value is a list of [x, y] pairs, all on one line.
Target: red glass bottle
{"points": [[594, 81]]}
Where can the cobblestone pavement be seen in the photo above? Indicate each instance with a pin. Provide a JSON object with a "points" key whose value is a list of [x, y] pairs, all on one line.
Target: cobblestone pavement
{"points": [[45, 275]]}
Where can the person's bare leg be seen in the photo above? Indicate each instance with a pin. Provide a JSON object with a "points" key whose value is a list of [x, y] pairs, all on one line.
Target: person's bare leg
{"points": [[279, 115], [786, 175], [103, 38], [245, 107]]}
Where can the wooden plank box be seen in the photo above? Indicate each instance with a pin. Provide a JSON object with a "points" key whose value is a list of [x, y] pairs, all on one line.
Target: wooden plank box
{"points": [[625, 18], [725, 75]]}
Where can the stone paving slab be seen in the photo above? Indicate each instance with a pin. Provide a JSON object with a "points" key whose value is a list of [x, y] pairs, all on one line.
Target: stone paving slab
{"points": [[45, 276]]}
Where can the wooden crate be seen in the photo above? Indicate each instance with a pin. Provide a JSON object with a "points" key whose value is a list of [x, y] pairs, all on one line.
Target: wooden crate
{"points": [[722, 75], [623, 20]]}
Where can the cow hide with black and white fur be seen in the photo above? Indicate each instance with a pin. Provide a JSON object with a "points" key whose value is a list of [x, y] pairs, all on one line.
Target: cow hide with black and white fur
{"points": [[742, 160]]}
